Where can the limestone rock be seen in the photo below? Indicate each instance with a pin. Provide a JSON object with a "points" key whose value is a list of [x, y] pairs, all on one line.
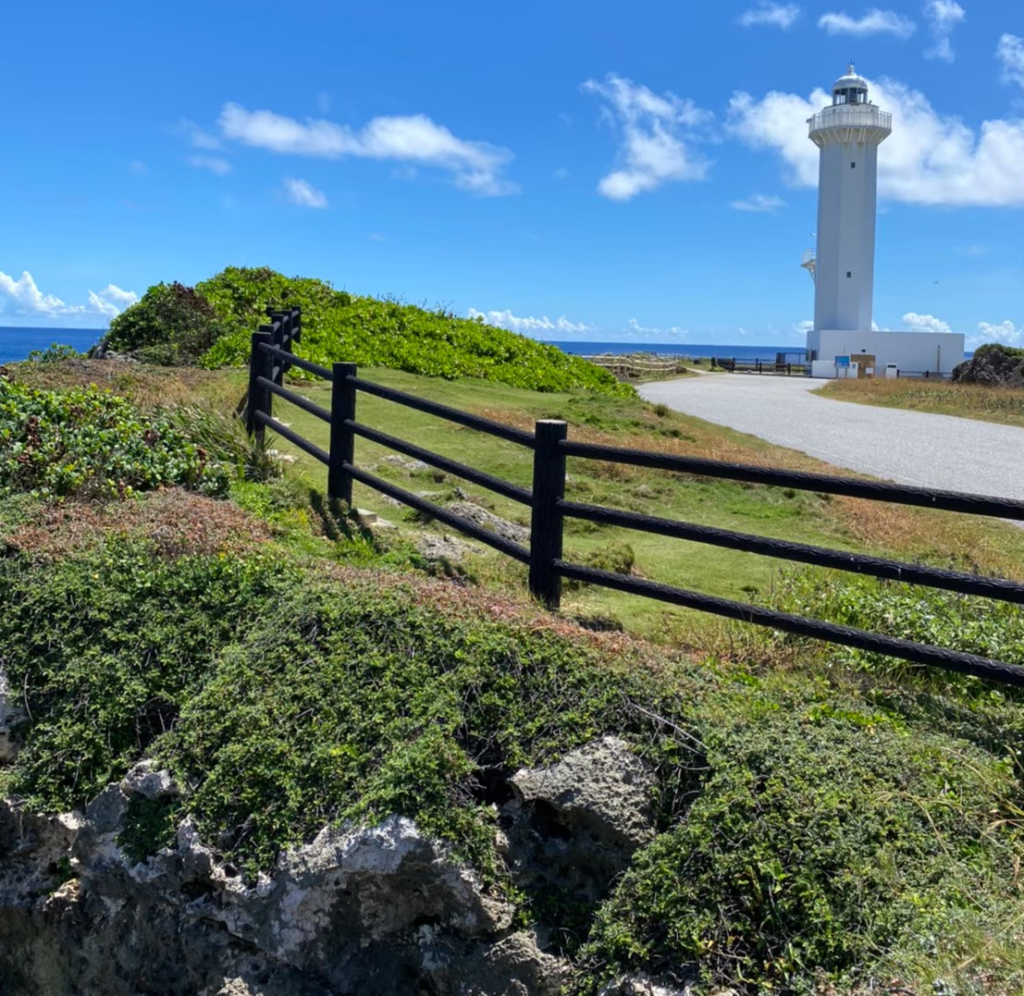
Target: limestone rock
{"points": [[369, 909], [573, 826], [604, 787], [146, 780], [644, 985], [444, 547], [488, 520], [409, 466], [11, 714]]}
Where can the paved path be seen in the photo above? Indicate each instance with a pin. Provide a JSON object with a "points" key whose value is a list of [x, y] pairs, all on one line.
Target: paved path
{"points": [[937, 451]]}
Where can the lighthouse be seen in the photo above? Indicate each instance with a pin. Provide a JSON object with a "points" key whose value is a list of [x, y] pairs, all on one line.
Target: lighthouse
{"points": [[843, 341], [848, 134]]}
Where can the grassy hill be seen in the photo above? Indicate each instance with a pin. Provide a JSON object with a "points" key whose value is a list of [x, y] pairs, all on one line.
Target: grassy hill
{"points": [[211, 325], [827, 822]]}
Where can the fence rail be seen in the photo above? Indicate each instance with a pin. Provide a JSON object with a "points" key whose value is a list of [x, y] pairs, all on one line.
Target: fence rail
{"points": [[272, 356]]}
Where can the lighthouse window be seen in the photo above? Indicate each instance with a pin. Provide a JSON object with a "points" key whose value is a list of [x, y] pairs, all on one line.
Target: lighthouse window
{"points": [[853, 165], [848, 273]]}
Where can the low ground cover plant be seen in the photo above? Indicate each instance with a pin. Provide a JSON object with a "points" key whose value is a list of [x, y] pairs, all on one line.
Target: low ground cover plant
{"points": [[87, 442]]}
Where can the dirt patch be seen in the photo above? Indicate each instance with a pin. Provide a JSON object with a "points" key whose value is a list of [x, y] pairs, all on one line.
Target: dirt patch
{"points": [[176, 521]]}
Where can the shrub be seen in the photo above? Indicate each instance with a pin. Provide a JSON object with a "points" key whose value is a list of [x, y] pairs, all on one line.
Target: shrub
{"points": [[87, 442], [172, 324], [56, 352]]}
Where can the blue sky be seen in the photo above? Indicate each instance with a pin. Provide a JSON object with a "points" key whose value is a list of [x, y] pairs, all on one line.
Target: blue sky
{"points": [[582, 169]]}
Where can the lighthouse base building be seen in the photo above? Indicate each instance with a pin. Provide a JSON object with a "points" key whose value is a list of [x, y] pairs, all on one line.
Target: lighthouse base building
{"points": [[871, 353], [843, 341]]}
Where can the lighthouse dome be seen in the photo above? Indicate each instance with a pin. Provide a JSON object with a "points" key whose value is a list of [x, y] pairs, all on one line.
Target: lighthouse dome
{"points": [[850, 80], [850, 88]]}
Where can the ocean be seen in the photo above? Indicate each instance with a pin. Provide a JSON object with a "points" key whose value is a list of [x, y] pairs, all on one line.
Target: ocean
{"points": [[691, 349], [17, 343]]}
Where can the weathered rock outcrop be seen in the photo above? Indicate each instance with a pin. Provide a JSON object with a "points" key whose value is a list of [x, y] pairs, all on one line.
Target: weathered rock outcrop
{"points": [[358, 910], [573, 827], [994, 365]]}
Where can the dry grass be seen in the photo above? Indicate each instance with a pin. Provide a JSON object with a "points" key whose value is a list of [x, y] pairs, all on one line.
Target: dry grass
{"points": [[175, 521], [143, 385], [1004, 405]]}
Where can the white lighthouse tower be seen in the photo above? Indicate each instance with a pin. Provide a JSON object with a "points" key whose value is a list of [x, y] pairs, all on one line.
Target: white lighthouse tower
{"points": [[843, 341], [848, 134]]}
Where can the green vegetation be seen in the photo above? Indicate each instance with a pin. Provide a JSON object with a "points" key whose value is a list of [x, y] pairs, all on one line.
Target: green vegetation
{"points": [[825, 817], [212, 323], [87, 442], [172, 324], [54, 353], [988, 403]]}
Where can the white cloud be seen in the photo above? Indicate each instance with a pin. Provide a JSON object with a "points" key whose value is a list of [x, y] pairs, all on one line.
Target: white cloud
{"points": [[761, 203], [196, 137], [476, 166], [1005, 332], [21, 298], [930, 158], [803, 327], [654, 132], [304, 194], [942, 17], [924, 323], [645, 332], [874, 22], [213, 163], [528, 325], [1010, 53], [776, 15]]}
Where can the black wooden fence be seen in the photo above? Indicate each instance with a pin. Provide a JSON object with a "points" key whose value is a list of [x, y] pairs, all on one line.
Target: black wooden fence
{"points": [[272, 356]]}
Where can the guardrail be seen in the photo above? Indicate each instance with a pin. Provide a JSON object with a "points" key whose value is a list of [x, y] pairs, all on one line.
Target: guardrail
{"points": [[734, 365], [639, 365], [272, 356]]}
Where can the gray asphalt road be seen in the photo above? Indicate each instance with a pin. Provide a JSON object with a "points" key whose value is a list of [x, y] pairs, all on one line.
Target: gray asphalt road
{"points": [[938, 451]]}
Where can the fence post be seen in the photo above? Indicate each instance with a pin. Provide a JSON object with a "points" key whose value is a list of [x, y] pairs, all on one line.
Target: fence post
{"points": [[546, 519], [343, 407], [279, 328], [260, 365]]}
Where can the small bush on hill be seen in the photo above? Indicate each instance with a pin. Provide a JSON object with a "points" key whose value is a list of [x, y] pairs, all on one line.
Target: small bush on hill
{"points": [[87, 442], [212, 325], [56, 352], [172, 324]]}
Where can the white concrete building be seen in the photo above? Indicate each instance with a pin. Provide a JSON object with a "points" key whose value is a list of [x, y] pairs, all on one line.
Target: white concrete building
{"points": [[848, 133]]}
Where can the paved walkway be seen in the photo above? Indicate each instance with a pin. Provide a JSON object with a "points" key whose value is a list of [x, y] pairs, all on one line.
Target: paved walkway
{"points": [[936, 451]]}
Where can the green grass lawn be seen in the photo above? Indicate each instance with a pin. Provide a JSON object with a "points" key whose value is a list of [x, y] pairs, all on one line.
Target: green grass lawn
{"points": [[783, 514]]}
